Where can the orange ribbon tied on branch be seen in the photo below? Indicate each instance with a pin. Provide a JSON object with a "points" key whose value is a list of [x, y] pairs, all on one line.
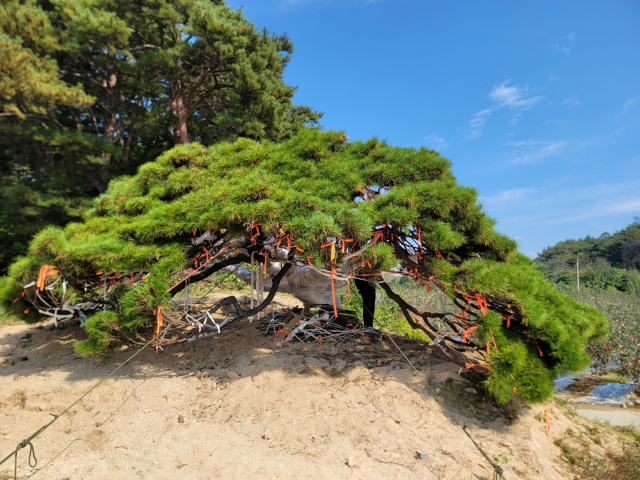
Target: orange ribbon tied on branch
{"points": [[377, 235], [482, 304], [45, 271], [252, 227], [343, 243], [466, 333], [285, 237], [494, 341], [471, 365]]}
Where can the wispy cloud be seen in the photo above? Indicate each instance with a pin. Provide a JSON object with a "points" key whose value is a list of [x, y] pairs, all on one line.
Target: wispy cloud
{"points": [[434, 142], [479, 119], [631, 103], [503, 96], [507, 195], [541, 150], [473, 134], [561, 48], [574, 102], [521, 143], [291, 3], [513, 96], [553, 205], [515, 119]]}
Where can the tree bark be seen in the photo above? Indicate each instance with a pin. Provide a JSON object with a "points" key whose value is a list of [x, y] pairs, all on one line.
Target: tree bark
{"points": [[181, 111], [110, 114]]}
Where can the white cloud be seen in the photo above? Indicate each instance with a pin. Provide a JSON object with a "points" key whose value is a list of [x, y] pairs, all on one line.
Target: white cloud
{"points": [[515, 119], [473, 134], [547, 150], [561, 48], [572, 101], [435, 142], [513, 96], [507, 195], [522, 143], [554, 77], [567, 206], [627, 206], [504, 95], [631, 103], [572, 36], [479, 119], [615, 206], [291, 3]]}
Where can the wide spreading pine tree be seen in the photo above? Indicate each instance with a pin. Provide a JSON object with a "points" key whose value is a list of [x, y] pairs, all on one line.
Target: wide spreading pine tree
{"points": [[347, 209]]}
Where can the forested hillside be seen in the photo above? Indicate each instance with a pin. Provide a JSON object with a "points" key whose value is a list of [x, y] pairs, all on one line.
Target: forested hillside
{"points": [[610, 261]]}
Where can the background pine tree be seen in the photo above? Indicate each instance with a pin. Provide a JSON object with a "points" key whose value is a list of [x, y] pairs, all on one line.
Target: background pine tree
{"points": [[92, 91]]}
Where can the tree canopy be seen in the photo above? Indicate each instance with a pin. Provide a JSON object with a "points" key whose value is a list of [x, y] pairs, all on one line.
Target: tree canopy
{"points": [[92, 89], [347, 208]]}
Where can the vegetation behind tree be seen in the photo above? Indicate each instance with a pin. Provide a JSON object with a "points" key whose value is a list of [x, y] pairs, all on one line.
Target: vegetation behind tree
{"points": [[610, 282], [618, 250]]}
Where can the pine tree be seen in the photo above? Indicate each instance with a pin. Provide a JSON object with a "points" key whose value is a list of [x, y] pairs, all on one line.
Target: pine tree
{"points": [[90, 91], [363, 208]]}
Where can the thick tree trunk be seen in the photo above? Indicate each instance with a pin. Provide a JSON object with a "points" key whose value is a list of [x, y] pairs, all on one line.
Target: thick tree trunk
{"points": [[110, 114], [182, 133]]}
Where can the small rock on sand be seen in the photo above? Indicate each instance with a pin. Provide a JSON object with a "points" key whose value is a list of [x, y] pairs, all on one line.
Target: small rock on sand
{"points": [[180, 419], [351, 463], [232, 375]]}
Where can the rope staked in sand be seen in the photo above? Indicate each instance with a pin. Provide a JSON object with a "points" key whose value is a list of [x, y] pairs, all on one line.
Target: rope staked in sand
{"points": [[498, 472], [27, 442]]}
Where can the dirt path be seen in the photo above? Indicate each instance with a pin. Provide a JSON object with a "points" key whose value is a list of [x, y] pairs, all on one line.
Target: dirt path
{"points": [[258, 411], [613, 415]]}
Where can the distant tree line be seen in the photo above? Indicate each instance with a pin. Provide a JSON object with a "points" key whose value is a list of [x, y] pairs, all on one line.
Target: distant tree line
{"points": [[91, 90], [610, 261]]}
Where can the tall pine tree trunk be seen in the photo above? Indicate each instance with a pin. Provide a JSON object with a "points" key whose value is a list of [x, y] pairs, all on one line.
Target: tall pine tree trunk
{"points": [[182, 133], [110, 115]]}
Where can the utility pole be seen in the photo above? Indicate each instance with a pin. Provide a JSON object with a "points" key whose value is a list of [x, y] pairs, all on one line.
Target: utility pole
{"points": [[578, 271]]}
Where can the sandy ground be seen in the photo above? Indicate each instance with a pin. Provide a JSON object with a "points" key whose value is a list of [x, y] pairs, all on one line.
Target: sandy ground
{"points": [[259, 411]]}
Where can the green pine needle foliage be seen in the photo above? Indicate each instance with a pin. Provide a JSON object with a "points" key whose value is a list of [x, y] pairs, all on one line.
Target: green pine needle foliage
{"points": [[310, 186]]}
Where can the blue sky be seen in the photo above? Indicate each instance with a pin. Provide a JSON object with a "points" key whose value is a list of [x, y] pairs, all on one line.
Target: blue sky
{"points": [[537, 104]]}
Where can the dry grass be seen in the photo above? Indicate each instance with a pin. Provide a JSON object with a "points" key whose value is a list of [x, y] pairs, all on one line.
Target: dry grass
{"points": [[577, 452]]}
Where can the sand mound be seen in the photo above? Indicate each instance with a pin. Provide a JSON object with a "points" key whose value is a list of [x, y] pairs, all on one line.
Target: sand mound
{"points": [[237, 406]]}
